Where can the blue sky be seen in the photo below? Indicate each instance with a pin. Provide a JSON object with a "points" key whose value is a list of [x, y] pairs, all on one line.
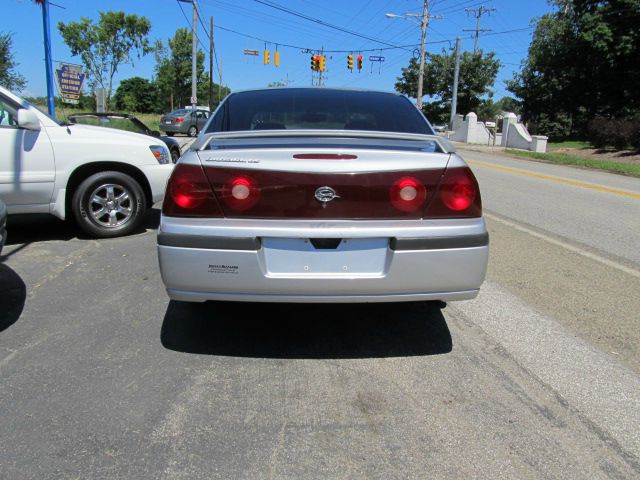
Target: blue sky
{"points": [[365, 17]]}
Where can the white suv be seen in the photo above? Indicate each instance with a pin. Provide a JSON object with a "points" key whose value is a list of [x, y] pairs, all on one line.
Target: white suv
{"points": [[104, 178]]}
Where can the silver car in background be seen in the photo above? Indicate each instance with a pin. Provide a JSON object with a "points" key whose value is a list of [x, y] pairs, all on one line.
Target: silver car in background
{"points": [[321, 195], [184, 121]]}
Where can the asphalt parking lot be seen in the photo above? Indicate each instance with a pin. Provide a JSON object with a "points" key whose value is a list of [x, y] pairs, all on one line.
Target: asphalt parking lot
{"points": [[103, 377]]}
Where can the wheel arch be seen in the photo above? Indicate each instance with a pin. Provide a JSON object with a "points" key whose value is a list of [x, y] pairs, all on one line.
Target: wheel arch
{"points": [[88, 169]]}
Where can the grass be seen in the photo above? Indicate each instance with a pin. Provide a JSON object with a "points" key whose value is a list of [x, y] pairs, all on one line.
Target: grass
{"points": [[151, 120], [564, 159], [569, 144]]}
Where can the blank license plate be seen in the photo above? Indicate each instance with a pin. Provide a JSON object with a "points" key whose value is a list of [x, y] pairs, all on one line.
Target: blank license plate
{"points": [[297, 256]]}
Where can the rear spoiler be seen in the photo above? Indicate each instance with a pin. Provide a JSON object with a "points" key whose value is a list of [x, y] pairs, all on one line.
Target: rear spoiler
{"points": [[202, 143]]}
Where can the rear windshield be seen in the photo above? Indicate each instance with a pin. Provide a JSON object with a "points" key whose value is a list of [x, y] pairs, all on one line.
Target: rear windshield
{"points": [[324, 109], [180, 111]]}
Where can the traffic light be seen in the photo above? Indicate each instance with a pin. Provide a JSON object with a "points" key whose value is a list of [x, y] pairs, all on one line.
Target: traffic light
{"points": [[266, 57], [315, 63], [276, 58], [360, 62], [350, 62], [323, 63]]}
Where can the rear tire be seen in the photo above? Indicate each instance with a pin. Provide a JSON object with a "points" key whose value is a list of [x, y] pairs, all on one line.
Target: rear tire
{"points": [[169, 134], [108, 204], [193, 131]]}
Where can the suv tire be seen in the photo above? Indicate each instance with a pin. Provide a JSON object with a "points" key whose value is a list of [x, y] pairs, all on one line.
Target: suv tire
{"points": [[109, 204]]}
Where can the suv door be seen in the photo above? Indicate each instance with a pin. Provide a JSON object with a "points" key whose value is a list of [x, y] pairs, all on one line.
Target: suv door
{"points": [[27, 166]]}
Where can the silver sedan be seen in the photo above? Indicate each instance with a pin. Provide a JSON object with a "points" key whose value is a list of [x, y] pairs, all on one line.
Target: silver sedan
{"points": [[321, 195]]}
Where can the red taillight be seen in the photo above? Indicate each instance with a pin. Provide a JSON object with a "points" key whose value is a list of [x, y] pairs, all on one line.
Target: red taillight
{"points": [[408, 194], [189, 194], [179, 120], [241, 193], [458, 193], [457, 196]]}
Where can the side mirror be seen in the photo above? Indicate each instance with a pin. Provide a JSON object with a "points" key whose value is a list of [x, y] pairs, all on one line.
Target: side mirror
{"points": [[28, 120]]}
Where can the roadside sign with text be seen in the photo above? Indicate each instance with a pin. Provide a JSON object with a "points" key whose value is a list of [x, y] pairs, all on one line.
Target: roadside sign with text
{"points": [[375, 58], [70, 80]]}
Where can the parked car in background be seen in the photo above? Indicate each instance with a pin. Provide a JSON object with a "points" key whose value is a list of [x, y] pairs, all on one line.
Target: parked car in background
{"points": [[129, 123], [104, 178], [321, 195], [184, 121], [3, 224]]}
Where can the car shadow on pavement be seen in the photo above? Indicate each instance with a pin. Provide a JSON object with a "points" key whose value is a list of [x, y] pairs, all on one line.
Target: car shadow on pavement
{"points": [[306, 330], [36, 227], [13, 294]]}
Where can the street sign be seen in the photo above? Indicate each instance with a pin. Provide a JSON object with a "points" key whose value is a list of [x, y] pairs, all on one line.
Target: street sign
{"points": [[194, 100], [375, 58], [70, 80], [254, 53]]}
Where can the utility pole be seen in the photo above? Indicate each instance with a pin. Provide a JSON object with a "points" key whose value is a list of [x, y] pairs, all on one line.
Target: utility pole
{"points": [[194, 57], [424, 23], [456, 74], [47, 56], [220, 84], [478, 12], [210, 63], [423, 40]]}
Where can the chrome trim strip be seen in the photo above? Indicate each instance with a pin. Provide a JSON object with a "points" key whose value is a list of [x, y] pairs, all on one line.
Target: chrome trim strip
{"points": [[208, 242], [253, 244], [440, 243]]}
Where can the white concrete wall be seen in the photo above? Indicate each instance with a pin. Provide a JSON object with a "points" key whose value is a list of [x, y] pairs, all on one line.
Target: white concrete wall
{"points": [[472, 131], [514, 134]]}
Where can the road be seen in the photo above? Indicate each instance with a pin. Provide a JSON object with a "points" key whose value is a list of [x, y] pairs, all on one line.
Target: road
{"points": [[539, 377]]}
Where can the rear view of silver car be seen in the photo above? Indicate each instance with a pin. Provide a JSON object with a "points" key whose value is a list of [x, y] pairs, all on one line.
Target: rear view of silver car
{"points": [[320, 195]]}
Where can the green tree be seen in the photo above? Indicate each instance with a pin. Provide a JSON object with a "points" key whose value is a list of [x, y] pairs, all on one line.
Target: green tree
{"points": [[173, 74], [135, 94], [9, 78], [477, 74], [583, 62], [106, 45]]}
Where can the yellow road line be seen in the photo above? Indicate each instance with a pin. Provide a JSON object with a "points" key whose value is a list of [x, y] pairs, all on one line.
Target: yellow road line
{"points": [[551, 178]]}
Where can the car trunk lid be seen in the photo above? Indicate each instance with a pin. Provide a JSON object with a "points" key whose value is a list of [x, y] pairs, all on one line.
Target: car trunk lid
{"points": [[360, 176]]}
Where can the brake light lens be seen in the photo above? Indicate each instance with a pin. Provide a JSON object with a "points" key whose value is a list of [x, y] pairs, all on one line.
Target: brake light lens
{"points": [[408, 194], [179, 120], [189, 194], [458, 193], [241, 193], [457, 196]]}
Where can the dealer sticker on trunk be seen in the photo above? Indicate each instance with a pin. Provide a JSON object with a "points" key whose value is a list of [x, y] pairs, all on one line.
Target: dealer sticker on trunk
{"points": [[232, 269]]}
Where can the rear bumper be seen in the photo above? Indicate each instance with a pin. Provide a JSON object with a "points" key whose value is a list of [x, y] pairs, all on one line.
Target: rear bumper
{"points": [[180, 128], [237, 260]]}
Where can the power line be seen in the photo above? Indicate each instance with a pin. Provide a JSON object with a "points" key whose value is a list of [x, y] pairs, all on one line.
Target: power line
{"points": [[323, 23]]}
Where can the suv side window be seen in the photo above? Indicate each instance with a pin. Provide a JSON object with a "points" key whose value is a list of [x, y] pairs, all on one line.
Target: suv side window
{"points": [[8, 114]]}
